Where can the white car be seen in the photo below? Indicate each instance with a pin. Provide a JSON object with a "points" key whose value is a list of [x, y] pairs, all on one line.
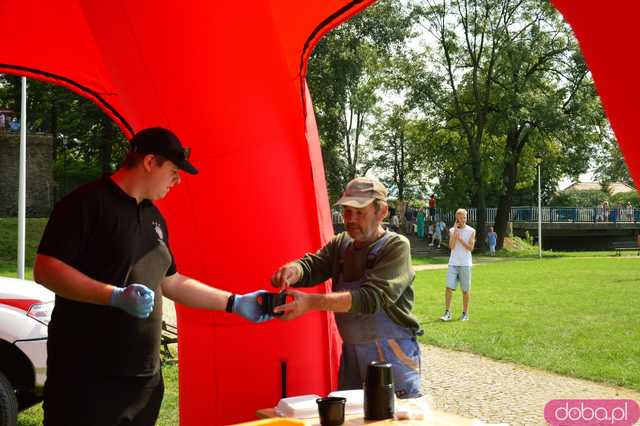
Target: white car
{"points": [[25, 311]]}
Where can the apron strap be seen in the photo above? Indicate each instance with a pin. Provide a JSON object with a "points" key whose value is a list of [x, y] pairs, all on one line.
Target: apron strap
{"points": [[346, 242], [371, 256], [373, 253]]}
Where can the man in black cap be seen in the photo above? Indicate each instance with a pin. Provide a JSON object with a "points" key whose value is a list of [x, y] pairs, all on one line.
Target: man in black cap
{"points": [[105, 253]]}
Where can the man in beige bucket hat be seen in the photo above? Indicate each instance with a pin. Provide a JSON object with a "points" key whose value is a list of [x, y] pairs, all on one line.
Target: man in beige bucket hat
{"points": [[372, 293]]}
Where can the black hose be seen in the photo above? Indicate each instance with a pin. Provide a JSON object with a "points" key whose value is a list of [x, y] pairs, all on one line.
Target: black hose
{"points": [[283, 377]]}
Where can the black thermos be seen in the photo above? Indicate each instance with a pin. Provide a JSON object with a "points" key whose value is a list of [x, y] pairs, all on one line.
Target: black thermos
{"points": [[379, 392]]}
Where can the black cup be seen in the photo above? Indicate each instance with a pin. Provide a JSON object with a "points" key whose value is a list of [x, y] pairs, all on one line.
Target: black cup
{"points": [[271, 300], [331, 410]]}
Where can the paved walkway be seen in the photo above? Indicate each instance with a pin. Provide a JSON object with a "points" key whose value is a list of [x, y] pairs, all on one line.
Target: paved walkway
{"points": [[476, 262], [478, 387]]}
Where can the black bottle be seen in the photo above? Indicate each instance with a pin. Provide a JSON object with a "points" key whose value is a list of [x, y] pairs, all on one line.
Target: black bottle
{"points": [[379, 392]]}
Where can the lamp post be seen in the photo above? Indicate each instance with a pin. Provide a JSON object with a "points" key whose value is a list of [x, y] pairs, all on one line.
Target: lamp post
{"points": [[539, 164], [22, 180]]}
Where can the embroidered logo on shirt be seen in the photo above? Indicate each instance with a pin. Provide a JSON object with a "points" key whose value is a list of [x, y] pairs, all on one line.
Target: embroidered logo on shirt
{"points": [[158, 229]]}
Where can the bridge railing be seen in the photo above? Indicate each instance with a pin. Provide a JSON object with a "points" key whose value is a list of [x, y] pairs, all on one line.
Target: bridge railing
{"points": [[552, 214], [575, 214]]}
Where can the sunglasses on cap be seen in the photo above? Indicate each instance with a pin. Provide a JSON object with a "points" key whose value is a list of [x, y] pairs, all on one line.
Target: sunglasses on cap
{"points": [[186, 153]]}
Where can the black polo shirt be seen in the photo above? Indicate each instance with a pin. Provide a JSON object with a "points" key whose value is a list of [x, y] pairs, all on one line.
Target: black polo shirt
{"points": [[104, 233]]}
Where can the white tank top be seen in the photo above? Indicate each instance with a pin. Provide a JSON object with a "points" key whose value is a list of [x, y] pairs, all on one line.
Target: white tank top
{"points": [[460, 256]]}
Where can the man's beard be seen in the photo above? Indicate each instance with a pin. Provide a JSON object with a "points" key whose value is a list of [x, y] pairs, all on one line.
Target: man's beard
{"points": [[361, 236]]}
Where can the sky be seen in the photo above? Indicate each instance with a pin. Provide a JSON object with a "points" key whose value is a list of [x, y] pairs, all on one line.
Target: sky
{"points": [[585, 177]]}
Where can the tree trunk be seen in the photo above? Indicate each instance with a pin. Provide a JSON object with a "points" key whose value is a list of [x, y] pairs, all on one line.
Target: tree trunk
{"points": [[17, 94], [502, 217], [106, 145], [513, 149], [401, 167], [509, 177], [479, 195], [347, 146], [478, 184], [356, 144], [54, 126]]}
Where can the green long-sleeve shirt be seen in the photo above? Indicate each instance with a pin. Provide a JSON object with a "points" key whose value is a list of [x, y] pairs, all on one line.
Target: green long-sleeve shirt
{"points": [[389, 282]]}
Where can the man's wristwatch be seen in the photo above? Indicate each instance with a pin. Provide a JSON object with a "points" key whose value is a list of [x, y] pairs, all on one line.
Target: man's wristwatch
{"points": [[230, 301]]}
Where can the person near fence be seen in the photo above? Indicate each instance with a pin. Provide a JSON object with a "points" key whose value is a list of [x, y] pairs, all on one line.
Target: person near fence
{"points": [[628, 212], [372, 293], [409, 221], [492, 240], [105, 252], [462, 239], [442, 227], [420, 217], [14, 125], [437, 235], [605, 210], [336, 217], [620, 213], [395, 223], [432, 207], [430, 231]]}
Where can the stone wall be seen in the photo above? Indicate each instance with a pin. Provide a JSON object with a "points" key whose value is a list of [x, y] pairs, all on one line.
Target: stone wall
{"points": [[40, 183]]}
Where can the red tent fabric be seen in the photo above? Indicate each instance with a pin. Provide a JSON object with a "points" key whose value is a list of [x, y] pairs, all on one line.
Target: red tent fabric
{"points": [[607, 33], [228, 78]]}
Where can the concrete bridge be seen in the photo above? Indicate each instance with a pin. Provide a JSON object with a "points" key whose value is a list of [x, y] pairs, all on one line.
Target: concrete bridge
{"points": [[578, 235], [565, 228]]}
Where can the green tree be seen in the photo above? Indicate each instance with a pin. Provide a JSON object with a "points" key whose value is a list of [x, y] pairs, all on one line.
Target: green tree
{"points": [[580, 198], [455, 75], [397, 142], [611, 166], [622, 198], [345, 74], [543, 98], [508, 78]]}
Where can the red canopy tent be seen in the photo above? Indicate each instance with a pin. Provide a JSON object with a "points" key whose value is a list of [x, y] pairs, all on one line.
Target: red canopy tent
{"points": [[236, 69]]}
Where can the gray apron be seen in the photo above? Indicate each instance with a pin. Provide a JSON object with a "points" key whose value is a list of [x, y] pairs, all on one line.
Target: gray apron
{"points": [[374, 337]]}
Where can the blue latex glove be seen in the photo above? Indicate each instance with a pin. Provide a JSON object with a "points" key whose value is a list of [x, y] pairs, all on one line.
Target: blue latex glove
{"points": [[135, 299], [247, 306]]}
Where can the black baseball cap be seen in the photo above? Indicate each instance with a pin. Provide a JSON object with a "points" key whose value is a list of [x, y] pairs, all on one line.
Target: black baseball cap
{"points": [[161, 141]]}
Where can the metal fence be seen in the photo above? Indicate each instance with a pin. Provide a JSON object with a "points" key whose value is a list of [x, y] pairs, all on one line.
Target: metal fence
{"points": [[552, 215]]}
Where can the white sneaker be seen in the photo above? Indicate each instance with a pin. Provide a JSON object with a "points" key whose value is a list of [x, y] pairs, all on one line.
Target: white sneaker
{"points": [[446, 316], [464, 317]]}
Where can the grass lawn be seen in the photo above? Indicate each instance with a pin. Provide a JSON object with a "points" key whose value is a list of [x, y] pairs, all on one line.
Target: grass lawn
{"points": [[9, 245], [550, 254], [9, 269], [168, 412], [574, 316], [8, 239]]}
